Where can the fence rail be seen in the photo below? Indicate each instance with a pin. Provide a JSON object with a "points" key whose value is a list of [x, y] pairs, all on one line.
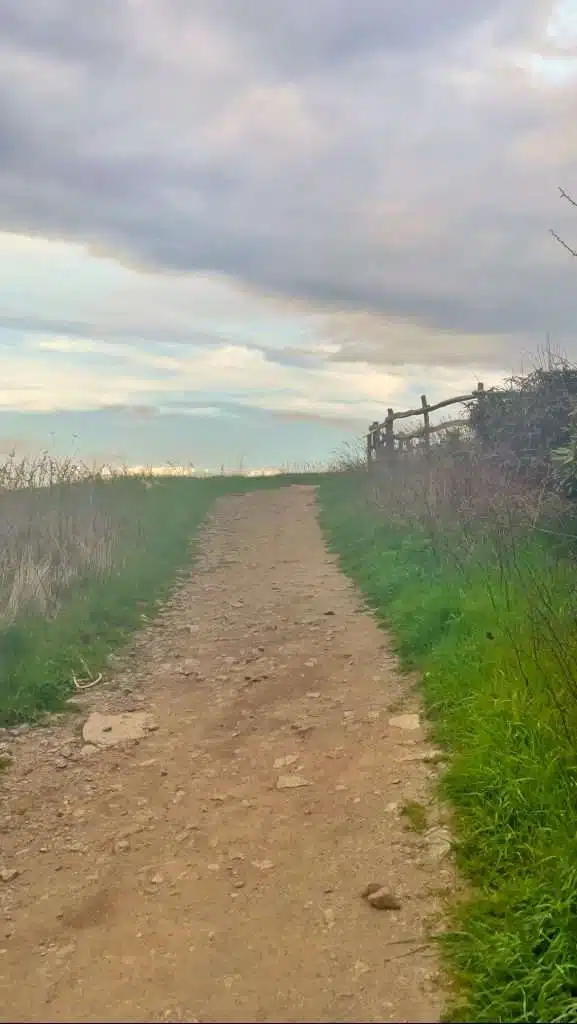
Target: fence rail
{"points": [[382, 441]]}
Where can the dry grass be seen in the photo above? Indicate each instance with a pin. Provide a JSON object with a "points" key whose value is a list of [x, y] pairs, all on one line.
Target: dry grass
{"points": [[460, 486], [58, 521]]}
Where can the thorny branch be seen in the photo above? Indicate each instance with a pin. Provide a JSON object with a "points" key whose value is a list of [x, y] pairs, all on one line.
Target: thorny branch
{"points": [[565, 195]]}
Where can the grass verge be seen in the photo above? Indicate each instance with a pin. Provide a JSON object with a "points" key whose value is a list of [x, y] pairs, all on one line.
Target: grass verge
{"points": [[495, 641], [150, 526]]}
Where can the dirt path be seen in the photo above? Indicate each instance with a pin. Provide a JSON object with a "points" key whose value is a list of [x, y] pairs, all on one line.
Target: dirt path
{"points": [[171, 879]]}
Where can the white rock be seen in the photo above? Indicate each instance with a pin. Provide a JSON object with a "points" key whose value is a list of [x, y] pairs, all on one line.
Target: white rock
{"points": [[438, 841], [8, 874], [360, 968], [285, 762], [291, 782], [109, 730], [410, 722], [88, 750], [329, 917]]}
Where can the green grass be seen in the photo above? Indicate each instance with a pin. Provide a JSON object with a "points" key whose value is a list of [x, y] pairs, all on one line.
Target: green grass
{"points": [[154, 527], [495, 641], [415, 815]]}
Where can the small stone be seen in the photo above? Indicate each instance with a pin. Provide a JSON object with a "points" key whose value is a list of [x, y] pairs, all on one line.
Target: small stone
{"points": [[313, 694], [157, 879], [87, 750], [434, 756], [122, 846], [302, 728], [383, 900], [64, 951], [285, 762], [8, 874], [438, 842], [291, 782], [329, 917], [360, 968], [109, 730], [370, 888], [409, 722], [262, 865]]}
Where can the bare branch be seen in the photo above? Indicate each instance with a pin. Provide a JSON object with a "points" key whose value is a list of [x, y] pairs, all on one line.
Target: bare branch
{"points": [[561, 242], [565, 195]]}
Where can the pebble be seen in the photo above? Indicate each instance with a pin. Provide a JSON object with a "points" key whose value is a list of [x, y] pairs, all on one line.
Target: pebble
{"points": [[409, 722], [360, 968], [379, 898], [87, 750], [291, 782], [329, 917], [383, 900], [8, 874], [438, 842], [285, 762]]}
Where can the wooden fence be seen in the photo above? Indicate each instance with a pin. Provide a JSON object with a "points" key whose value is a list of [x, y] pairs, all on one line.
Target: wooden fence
{"points": [[382, 442]]}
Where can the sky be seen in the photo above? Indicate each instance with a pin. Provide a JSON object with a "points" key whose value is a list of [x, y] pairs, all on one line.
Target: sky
{"points": [[235, 233]]}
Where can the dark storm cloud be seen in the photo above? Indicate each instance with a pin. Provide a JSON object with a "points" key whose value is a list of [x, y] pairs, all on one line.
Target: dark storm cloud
{"points": [[367, 155]]}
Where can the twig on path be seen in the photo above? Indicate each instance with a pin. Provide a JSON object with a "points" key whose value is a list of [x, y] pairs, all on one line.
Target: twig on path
{"points": [[86, 684], [408, 952]]}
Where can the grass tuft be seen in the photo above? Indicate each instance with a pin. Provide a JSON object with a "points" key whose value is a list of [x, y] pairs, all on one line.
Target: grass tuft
{"points": [[415, 815]]}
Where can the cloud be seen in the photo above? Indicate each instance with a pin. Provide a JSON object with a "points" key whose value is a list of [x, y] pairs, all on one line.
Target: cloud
{"points": [[142, 382], [386, 170]]}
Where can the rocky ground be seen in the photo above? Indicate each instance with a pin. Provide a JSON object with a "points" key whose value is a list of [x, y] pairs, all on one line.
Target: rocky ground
{"points": [[240, 825]]}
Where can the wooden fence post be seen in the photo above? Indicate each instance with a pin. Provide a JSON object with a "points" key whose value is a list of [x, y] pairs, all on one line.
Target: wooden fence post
{"points": [[380, 440], [372, 443], [390, 434], [482, 412], [426, 423]]}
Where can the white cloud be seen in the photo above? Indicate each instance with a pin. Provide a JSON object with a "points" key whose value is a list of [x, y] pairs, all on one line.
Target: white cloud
{"points": [[52, 375]]}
